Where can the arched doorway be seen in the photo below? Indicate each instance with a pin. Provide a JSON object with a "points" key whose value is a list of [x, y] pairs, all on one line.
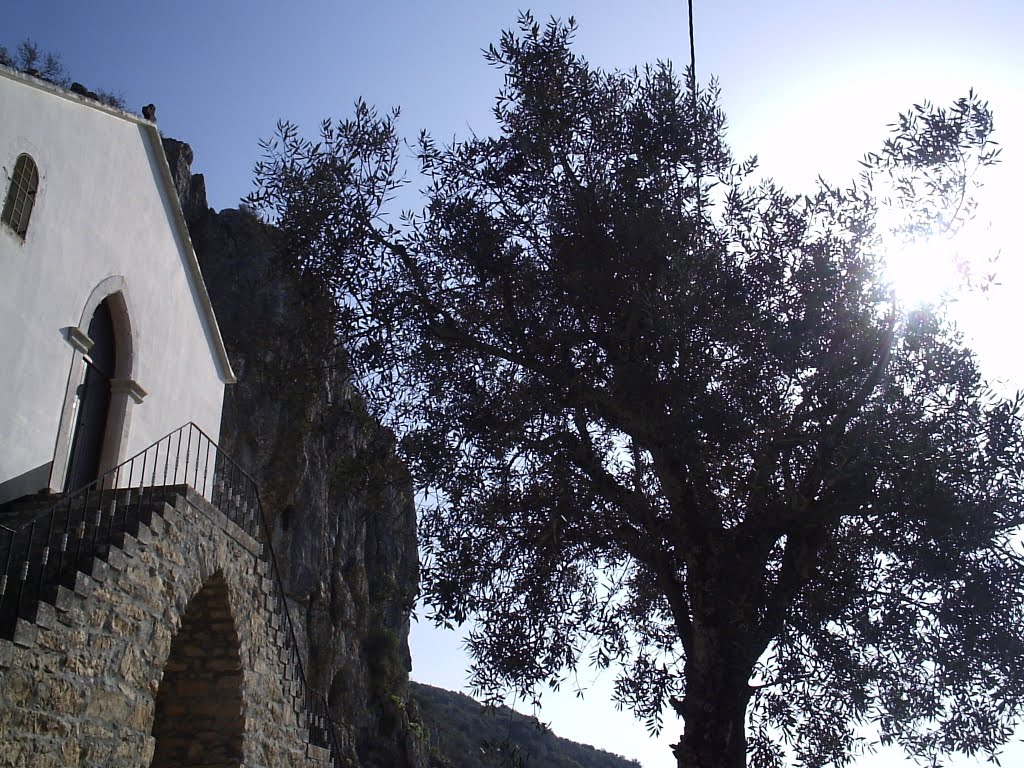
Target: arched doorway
{"points": [[198, 718], [92, 407]]}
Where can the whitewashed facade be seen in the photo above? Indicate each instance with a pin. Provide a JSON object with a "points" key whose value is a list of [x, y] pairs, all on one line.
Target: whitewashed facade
{"points": [[105, 238]]}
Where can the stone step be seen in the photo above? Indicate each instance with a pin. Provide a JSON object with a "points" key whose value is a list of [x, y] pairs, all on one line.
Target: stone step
{"points": [[90, 534], [318, 756]]}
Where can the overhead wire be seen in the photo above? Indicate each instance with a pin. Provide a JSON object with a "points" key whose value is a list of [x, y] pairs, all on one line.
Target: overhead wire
{"points": [[696, 127]]}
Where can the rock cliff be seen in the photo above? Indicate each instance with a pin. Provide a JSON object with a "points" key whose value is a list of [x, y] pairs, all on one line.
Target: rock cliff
{"points": [[338, 501]]}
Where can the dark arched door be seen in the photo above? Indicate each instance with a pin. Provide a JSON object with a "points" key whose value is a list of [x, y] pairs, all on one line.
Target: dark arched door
{"points": [[93, 401]]}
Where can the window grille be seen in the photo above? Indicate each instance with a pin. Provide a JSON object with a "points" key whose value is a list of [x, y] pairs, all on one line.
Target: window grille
{"points": [[21, 195]]}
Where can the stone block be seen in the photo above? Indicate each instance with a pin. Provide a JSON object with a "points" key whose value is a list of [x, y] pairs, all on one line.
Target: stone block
{"points": [[143, 536], [130, 546], [84, 584], [25, 633], [6, 653], [69, 635], [143, 584], [60, 696], [219, 519], [173, 519], [96, 747], [119, 624], [318, 756], [146, 750], [171, 556], [44, 758], [267, 586], [17, 720], [46, 616], [18, 687], [109, 706], [116, 559], [73, 618], [70, 750], [84, 664], [66, 599], [157, 526], [100, 570], [99, 642]]}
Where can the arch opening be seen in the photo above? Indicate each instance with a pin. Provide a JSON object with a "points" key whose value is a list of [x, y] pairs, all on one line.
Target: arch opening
{"points": [[198, 716], [101, 390]]}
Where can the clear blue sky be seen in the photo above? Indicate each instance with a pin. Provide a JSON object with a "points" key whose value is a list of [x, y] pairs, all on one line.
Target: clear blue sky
{"points": [[807, 85]]}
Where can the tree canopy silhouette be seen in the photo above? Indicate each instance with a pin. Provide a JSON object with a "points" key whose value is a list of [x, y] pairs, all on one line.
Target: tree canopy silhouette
{"points": [[699, 441]]}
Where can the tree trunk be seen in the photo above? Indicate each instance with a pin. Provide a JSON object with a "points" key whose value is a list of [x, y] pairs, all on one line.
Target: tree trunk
{"points": [[722, 650], [714, 711]]}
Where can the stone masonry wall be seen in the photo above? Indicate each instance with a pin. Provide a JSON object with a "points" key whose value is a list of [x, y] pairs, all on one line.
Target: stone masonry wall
{"points": [[80, 686]]}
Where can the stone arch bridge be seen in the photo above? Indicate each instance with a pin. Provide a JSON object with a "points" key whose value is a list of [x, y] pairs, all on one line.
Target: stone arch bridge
{"points": [[142, 623]]}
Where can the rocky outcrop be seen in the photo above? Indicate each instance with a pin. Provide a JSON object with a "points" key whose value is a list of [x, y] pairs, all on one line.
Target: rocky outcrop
{"points": [[340, 503]]}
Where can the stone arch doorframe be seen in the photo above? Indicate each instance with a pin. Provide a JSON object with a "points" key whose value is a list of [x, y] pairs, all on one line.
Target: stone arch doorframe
{"points": [[125, 391], [199, 713]]}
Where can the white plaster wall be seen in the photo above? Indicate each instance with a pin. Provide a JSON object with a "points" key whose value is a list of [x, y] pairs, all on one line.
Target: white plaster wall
{"points": [[101, 210]]}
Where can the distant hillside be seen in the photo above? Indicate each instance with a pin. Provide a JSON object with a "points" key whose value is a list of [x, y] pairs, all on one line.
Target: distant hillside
{"points": [[465, 735]]}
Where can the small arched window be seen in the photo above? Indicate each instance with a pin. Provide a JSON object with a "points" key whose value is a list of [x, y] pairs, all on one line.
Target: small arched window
{"points": [[21, 195]]}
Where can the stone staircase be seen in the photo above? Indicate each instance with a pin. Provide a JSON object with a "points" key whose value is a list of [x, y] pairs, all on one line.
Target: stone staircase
{"points": [[52, 547], [45, 544]]}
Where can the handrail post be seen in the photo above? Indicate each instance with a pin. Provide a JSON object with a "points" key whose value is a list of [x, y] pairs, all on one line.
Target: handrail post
{"points": [[9, 533], [113, 503], [177, 458], [23, 576], [206, 470], [65, 540], [46, 551], [188, 451], [167, 457]]}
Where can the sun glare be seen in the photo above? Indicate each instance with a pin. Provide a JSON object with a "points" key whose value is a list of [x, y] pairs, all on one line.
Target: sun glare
{"points": [[925, 271], [941, 268]]}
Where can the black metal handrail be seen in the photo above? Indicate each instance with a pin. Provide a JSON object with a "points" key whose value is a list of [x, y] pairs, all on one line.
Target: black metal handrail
{"points": [[50, 549]]}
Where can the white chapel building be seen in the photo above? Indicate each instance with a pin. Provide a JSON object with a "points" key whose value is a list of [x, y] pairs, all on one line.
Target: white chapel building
{"points": [[108, 340]]}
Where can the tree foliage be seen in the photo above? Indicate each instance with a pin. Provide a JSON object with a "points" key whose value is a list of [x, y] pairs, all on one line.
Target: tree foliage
{"points": [[670, 418]]}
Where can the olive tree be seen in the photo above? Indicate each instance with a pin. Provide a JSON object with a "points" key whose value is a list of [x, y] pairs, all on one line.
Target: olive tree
{"points": [[669, 418]]}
